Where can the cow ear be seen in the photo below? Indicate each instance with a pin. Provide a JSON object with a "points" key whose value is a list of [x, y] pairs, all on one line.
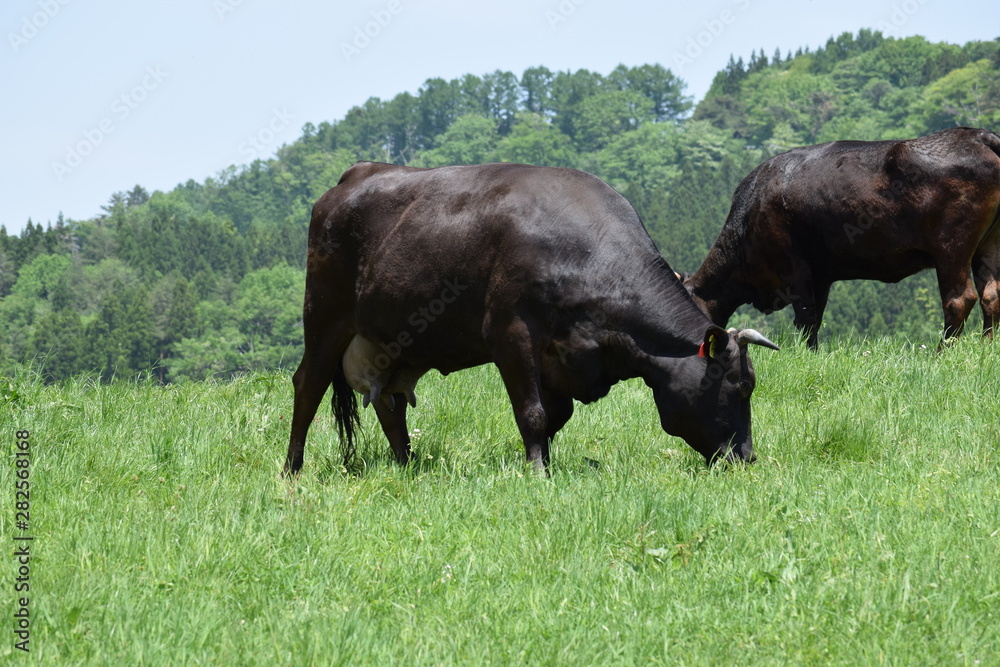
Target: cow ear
{"points": [[713, 337]]}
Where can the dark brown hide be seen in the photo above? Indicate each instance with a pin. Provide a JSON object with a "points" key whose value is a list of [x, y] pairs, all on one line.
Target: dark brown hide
{"points": [[851, 210], [547, 273]]}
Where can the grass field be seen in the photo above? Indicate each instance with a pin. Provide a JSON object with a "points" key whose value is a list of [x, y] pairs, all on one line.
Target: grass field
{"points": [[868, 532]]}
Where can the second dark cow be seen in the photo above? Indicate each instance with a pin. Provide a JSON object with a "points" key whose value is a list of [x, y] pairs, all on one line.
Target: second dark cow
{"points": [[848, 210]]}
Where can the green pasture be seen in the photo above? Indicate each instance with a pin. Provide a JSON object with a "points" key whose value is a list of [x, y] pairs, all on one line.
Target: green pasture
{"points": [[868, 532]]}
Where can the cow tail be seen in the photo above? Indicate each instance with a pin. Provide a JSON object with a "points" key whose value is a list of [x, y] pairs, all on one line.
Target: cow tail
{"points": [[345, 412]]}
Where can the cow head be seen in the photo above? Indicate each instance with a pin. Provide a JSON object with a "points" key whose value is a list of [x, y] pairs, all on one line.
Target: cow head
{"points": [[705, 398]]}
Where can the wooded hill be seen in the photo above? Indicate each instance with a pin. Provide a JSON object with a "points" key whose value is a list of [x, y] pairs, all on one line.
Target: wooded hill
{"points": [[207, 280]]}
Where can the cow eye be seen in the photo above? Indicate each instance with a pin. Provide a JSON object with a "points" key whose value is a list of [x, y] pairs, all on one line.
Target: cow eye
{"points": [[746, 388]]}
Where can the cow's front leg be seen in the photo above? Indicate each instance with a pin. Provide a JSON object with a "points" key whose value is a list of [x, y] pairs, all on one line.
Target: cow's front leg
{"points": [[808, 303], [531, 422], [806, 321], [517, 359]]}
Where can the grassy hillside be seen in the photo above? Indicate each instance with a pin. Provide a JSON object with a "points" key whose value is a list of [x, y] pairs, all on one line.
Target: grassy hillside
{"points": [[868, 531]]}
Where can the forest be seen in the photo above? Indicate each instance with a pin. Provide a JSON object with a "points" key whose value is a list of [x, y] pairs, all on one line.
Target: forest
{"points": [[206, 280]]}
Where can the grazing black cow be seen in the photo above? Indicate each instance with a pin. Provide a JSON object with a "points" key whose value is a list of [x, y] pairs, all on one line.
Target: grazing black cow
{"points": [[848, 210], [547, 273]]}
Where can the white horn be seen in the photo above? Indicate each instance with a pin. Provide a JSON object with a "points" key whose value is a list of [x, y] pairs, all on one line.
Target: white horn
{"points": [[748, 336]]}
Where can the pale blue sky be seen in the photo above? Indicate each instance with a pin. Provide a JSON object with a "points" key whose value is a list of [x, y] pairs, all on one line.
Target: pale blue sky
{"points": [[158, 93]]}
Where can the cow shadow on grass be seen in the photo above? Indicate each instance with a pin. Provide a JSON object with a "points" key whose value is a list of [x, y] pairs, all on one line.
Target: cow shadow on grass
{"points": [[436, 454], [430, 454]]}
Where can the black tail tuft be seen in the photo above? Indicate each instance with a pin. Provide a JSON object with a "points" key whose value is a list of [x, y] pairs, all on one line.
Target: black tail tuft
{"points": [[345, 412]]}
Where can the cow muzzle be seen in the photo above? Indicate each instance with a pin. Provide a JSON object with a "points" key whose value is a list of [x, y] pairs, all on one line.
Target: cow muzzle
{"points": [[734, 455]]}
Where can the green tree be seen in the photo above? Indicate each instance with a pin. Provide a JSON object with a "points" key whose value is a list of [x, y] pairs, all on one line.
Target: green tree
{"points": [[8, 273], [122, 339], [657, 84], [901, 62], [30, 299], [536, 83], [474, 96], [569, 90], [42, 275], [58, 344], [470, 140], [402, 117], [533, 140], [438, 103], [966, 96], [606, 115], [644, 159], [137, 196], [261, 329], [269, 313], [798, 98], [504, 102]]}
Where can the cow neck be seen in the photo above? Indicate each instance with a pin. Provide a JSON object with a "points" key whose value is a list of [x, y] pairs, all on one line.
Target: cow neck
{"points": [[713, 285], [662, 319]]}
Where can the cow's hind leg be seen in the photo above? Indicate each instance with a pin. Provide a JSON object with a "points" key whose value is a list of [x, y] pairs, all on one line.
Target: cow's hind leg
{"points": [[958, 296], [327, 331], [393, 424], [311, 380], [986, 274]]}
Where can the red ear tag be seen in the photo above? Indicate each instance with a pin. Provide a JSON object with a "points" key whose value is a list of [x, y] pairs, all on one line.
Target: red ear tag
{"points": [[701, 349]]}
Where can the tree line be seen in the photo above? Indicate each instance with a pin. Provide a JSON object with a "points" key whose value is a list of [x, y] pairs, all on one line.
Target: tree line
{"points": [[206, 280]]}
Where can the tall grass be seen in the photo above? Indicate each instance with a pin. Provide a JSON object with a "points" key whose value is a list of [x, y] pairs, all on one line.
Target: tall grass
{"points": [[868, 531]]}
